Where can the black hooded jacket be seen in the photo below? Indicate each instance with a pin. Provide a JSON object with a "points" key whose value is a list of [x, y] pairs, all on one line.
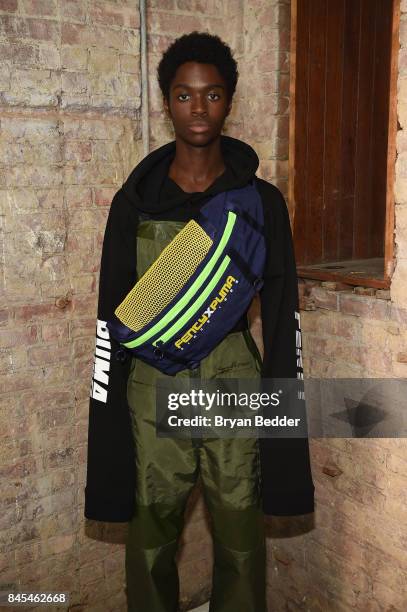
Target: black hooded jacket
{"points": [[148, 192]]}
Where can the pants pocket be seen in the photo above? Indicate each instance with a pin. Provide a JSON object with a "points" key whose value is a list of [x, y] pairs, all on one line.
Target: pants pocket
{"points": [[232, 358]]}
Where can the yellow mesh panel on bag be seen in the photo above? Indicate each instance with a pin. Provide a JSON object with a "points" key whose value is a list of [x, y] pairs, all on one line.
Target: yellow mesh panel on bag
{"points": [[165, 277]]}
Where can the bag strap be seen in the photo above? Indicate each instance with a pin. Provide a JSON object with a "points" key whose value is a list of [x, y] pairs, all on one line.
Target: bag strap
{"points": [[254, 280], [246, 217]]}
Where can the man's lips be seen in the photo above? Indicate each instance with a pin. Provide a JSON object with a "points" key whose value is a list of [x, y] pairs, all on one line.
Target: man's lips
{"points": [[198, 127]]}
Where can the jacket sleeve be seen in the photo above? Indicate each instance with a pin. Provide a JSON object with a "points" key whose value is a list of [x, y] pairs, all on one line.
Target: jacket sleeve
{"points": [[287, 484], [109, 491]]}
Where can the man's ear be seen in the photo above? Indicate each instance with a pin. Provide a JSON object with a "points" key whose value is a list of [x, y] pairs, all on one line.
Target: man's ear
{"points": [[228, 109], [166, 107]]}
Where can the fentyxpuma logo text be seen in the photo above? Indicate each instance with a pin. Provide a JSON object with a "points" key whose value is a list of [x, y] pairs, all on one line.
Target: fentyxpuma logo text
{"points": [[206, 314]]}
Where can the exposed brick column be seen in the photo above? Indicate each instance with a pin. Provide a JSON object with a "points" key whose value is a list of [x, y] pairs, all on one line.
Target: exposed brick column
{"points": [[265, 86]]}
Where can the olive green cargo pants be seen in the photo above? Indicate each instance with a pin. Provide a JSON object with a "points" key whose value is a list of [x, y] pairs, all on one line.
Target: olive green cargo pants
{"points": [[168, 468]]}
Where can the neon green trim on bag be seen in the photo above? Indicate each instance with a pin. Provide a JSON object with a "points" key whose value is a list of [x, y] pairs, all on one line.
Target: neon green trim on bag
{"points": [[197, 304], [196, 286]]}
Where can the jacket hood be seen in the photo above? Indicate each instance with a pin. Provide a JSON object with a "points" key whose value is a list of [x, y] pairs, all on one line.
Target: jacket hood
{"points": [[144, 186]]}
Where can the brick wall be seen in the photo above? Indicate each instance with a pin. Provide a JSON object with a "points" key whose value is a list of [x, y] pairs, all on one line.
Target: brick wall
{"points": [[70, 134], [69, 130], [264, 68]]}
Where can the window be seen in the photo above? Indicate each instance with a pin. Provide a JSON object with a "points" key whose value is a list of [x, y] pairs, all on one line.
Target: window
{"points": [[343, 123]]}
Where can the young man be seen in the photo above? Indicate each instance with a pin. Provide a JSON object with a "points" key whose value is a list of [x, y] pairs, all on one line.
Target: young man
{"points": [[133, 475]]}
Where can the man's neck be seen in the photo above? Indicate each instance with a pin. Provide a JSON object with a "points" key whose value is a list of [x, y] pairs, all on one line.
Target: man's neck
{"points": [[196, 168]]}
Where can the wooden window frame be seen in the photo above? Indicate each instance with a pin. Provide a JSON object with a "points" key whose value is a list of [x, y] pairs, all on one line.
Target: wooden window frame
{"points": [[325, 275]]}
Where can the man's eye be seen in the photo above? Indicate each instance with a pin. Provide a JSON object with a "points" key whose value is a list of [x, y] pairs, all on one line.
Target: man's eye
{"points": [[182, 97], [216, 96]]}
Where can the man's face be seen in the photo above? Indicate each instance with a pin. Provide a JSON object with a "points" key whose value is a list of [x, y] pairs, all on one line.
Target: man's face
{"points": [[198, 103]]}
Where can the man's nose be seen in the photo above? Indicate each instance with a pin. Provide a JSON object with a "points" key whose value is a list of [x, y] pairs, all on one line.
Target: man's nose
{"points": [[198, 106]]}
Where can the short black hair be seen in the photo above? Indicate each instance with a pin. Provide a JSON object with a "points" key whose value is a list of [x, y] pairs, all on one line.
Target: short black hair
{"points": [[198, 47]]}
